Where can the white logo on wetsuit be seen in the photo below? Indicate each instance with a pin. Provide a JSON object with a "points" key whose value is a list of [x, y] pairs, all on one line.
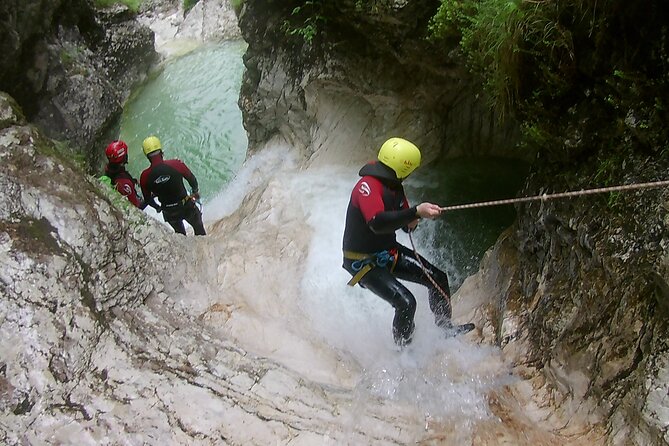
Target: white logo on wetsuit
{"points": [[162, 179], [364, 190], [127, 189]]}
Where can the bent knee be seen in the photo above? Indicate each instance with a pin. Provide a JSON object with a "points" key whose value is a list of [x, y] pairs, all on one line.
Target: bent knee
{"points": [[404, 301]]}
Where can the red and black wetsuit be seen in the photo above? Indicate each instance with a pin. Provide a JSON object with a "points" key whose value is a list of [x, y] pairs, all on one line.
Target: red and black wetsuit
{"points": [[164, 180], [379, 207], [124, 183]]}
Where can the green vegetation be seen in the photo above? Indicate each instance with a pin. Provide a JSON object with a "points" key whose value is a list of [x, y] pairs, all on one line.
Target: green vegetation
{"points": [[67, 57], [305, 21], [73, 58], [72, 157], [508, 43], [188, 4], [133, 5], [237, 5], [582, 77], [373, 6]]}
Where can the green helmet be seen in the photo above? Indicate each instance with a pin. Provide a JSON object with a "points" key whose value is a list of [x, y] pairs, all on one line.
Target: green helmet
{"points": [[400, 155], [151, 144]]}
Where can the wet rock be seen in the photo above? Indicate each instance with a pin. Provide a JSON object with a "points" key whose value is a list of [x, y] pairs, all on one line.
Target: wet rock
{"points": [[178, 31], [100, 339], [584, 302], [364, 74], [69, 70]]}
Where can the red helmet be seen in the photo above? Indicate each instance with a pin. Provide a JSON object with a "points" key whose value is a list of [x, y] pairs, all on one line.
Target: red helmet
{"points": [[117, 152]]}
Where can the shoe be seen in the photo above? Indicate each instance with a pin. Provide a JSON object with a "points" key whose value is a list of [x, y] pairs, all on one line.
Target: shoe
{"points": [[405, 338], [402, 343], [457, 330]]}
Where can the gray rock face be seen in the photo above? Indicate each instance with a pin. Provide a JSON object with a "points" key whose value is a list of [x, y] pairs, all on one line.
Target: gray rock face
{"points": [[575, 292], [95, 344], [71, 70], [178, 31], [115, 330], [362, 77]]}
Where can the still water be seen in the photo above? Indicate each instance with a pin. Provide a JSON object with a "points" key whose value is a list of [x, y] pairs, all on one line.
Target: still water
{"points": [[191, 106]]}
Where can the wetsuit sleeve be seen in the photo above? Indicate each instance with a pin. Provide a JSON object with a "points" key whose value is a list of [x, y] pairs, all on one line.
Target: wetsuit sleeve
{"points": [[127, 189], [185, 172], [368, 197], [391, 221], [193, 184], [368, 194], [405, 205]]}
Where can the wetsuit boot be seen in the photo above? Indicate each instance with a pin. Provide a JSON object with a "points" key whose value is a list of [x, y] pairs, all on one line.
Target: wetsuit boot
{"points": [[403, 335], [450, 329]]}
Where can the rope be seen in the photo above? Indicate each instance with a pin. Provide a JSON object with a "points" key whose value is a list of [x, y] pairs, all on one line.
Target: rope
{"points": [[427, 274], [544, 197]]}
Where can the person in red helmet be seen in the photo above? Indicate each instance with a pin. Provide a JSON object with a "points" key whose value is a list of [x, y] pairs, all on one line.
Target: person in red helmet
{"points": [[121, 180]]}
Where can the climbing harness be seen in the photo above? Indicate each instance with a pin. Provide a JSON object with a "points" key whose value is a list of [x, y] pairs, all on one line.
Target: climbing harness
{"points": [[196, 201], [199, 204], [365, 262], [182, 202], [545, 197]]}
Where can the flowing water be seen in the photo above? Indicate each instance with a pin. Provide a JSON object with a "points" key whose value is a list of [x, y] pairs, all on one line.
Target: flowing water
{"points": [[192, 107]]}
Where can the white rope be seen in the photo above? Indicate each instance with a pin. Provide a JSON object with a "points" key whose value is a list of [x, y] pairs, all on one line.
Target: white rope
{"points": [[545, 197], [541, 197], [429, 276]]}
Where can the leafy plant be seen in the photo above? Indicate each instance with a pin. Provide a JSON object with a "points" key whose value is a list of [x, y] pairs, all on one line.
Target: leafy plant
{"points": [[67, 57], [133, 5], [373, 6], [305, 21], [512, 45]]}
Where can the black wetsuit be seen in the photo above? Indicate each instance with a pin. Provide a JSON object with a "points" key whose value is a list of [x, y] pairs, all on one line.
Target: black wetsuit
{"points": [[378, 207], [164, 179]]}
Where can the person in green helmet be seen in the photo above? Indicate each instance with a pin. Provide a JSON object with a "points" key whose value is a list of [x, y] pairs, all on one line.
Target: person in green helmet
{"points": [[378, 207]]}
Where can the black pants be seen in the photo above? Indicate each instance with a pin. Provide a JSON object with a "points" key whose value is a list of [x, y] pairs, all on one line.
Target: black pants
{"points": [[188, 211], [385, 284]]}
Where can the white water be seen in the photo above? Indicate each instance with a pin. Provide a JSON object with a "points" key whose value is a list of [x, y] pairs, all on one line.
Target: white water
{"points": [[279, 291], [446, 381]]}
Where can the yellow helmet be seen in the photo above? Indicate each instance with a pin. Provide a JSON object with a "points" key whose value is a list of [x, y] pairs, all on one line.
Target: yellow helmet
{"points": [[151, 144], [400, 155]]}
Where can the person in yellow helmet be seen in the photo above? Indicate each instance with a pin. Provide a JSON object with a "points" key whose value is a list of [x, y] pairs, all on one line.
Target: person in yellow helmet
{"points": [[378, 207], [164, 179]]}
